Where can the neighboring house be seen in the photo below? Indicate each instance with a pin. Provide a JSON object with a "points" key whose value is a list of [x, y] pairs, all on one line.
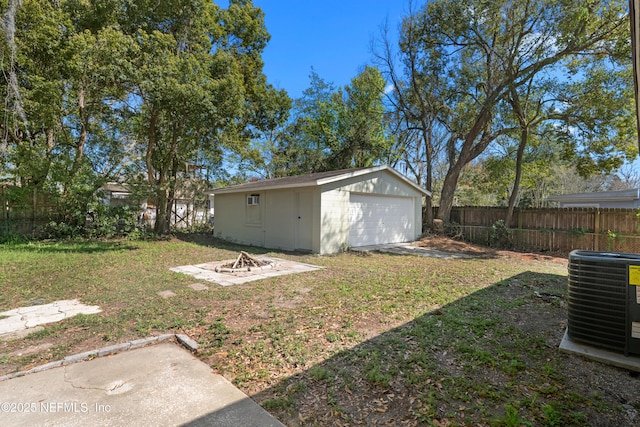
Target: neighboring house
{"points": [[601, 199], [115, 194], [184, 212], [322, 213]]}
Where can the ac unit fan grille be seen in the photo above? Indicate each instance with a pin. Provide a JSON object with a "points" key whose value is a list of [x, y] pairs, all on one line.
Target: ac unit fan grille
{"points": [[596, 306]]}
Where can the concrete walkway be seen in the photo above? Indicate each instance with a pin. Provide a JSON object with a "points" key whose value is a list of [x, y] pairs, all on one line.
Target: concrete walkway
{"points": [[23, 319], [409, 249], [158, 385]]}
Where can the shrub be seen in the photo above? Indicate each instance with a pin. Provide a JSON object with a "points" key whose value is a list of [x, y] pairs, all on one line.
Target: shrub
{"points": [[501, 235]]}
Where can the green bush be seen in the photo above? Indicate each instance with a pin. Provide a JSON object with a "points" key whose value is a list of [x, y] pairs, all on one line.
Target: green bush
{"points": [[58, 230], [501, 235], [106, 221], [100, 222], [8, 236]]}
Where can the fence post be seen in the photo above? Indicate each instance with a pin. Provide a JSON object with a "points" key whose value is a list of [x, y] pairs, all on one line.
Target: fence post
{"points": [[596, 230]]}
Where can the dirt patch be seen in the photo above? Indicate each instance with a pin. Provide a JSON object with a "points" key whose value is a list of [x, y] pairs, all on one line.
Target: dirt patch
{"points": [[447, 244]]}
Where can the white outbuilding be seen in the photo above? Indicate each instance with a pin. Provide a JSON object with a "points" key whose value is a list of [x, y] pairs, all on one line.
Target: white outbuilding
{"points": [[322, 213]]}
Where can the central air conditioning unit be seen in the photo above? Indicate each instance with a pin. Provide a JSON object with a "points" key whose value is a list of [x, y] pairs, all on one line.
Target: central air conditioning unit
{"points": [[604, 300]]}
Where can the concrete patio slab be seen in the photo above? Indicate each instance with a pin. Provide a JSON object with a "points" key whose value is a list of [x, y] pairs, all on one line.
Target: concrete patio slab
{"points": [[207, 271], [167, 294], [158, 385]]}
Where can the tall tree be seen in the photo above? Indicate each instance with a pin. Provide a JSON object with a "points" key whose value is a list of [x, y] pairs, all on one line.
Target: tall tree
{"points": [[361, 133], [485, 49], [147, 86], [65, 136], [200, 87], [303, 144], [416, 102], [596, 120], [337, 128]]}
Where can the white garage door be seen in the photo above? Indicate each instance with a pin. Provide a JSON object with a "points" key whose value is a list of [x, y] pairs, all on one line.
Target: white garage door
{"points": [[376, 220]]}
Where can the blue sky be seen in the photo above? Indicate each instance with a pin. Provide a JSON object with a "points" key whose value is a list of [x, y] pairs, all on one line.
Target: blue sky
{"points": [[332, 36]]}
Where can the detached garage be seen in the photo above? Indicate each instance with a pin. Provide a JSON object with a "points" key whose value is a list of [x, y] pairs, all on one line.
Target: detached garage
{"points": [[322, 213]]}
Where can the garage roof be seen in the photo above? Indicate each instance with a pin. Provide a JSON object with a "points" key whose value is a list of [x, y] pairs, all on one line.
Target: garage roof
{"points": [[314, 179]]}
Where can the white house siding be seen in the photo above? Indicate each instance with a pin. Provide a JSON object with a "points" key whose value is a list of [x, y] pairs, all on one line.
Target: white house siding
{"points": [[334, 214], [273, 223], [630, 204], [231, 221], [306, 227], [315, 217]]}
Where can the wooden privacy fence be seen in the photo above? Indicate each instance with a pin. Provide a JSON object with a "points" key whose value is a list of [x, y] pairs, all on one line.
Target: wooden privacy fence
{"points": [[554, 229], [35, 211]]}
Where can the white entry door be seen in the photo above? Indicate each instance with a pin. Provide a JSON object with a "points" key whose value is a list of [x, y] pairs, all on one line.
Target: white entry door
{"points": [[304, 216], [376, 220]]}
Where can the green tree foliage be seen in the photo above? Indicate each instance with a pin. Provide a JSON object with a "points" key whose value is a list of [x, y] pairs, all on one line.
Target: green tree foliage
{"points": [[67, 139], [336, 128], [108, 87], [361, 135], [597, 125], [304, 142], [484, 52]]}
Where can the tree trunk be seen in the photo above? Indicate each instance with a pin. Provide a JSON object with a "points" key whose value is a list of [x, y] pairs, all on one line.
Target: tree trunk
{"points": [[166, 185], [162, 209], [428, 149], [524, 136], [448, 192], [82, 137], [481, 129]]}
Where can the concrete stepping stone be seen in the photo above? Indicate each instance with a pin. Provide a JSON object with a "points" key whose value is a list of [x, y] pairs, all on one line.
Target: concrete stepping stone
{"points": [[198, 287], [167, 294]]}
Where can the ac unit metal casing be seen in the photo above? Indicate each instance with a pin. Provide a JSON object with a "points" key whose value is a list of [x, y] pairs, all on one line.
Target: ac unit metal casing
{"points": [[604, 300]]}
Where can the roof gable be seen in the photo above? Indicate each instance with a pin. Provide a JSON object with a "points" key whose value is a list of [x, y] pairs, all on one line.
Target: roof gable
{"points": [[313, 180]]}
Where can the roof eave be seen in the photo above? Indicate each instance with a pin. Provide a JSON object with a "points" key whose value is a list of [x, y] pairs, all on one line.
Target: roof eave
{"points": [[324, 181], [261, 188]]}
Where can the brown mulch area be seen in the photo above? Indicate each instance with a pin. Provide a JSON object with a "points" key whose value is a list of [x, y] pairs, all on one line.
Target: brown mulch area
{"points": [[447, 244]]}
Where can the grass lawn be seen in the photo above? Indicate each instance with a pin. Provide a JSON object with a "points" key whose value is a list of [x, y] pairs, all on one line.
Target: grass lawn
{"points": [[373, 339]]}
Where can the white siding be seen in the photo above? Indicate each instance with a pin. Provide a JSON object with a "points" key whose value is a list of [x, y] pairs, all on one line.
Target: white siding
{"points": [[334, 215], [271, 224], [231, 220]]}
